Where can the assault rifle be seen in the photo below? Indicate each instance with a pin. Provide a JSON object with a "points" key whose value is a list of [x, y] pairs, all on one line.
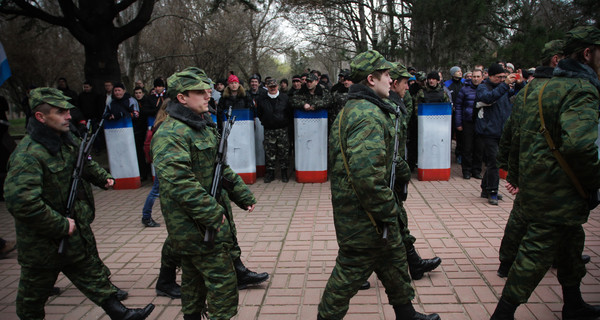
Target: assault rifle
{"points": [[84, 152], [395, 161], [215, 188]]}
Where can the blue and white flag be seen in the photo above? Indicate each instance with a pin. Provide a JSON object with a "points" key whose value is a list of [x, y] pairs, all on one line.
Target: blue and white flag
{"points": [[4, 69]]}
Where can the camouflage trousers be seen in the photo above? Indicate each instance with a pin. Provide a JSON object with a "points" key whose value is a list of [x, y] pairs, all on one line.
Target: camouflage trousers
{"points": [[209, 277], [35, 285], [354, 266], [537, 250], [277, 148], [515, 229], [407, 238]]}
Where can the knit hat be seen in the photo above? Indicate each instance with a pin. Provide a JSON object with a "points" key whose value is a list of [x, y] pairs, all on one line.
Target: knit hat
{"points": [[296, 77], [158, 82], [510, 65], [454, 70], [366, 63], [495, 69], [433, 75], [119, 85], [51, 96], [580, 38], [233, 78]]}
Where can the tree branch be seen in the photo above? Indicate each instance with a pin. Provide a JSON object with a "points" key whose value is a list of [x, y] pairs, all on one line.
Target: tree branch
{"points": [[137, 24], [124, 4], [28, 10]]}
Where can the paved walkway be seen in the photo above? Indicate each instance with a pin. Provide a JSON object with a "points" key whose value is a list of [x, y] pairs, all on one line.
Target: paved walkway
{"points": [[291, 236]]}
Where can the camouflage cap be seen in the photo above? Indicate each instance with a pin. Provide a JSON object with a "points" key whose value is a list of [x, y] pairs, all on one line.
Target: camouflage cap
{"points": [[312, 77], [399, 71], [180, 82], [199, 72], [366, 63], [421, 76], [271, 83], [51, 96], [552, 48], [580, 38]]}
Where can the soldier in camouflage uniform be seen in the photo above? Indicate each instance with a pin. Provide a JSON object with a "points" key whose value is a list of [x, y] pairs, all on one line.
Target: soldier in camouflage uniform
{"points": [[398, 94], [273, 110], [361, 148], [550, 205], [184, 149], [311, 96], [37, 189]]}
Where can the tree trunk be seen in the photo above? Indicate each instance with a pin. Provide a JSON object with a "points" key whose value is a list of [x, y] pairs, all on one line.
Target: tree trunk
{"points": [[102, 64]]}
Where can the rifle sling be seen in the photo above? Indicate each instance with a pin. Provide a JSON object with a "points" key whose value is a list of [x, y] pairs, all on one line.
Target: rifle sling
{"points": [[348, 170], [563, 163]]}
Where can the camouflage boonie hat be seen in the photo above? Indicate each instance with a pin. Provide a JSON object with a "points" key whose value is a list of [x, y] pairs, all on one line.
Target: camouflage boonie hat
{"points": [[51, 96], [366, 63], [581, 38], [552, 48], [185, 81], [421, 76], [311, 77], [399, 71]]}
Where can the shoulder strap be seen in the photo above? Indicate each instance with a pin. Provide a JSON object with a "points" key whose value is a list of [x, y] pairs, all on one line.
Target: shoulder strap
{"points": [[553, 148], [348, 169]]}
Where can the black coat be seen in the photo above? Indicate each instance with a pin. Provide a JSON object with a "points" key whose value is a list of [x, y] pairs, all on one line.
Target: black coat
{"points": [[274, 113]]}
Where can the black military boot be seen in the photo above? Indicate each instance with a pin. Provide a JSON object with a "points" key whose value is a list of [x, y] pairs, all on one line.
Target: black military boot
{"points": [[166, 285], [117, 311], [503, 269], [121, 294], [575, 308], [193, 316], [418, 266], [269, 176], [408, 312], [365, 286], [246, 277], [319, 317], [284, 176], [504, 311]]}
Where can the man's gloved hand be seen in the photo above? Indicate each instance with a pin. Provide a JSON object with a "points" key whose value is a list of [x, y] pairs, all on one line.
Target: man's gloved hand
{"points": [[402, 172]]}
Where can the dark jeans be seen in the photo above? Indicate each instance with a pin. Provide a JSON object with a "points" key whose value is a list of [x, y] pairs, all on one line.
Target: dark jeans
{"points": [[471, 149], [491, 177]]}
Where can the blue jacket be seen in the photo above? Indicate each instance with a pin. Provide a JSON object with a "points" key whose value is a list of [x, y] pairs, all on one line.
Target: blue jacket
{"points": [[465, 101], [490, 119]]}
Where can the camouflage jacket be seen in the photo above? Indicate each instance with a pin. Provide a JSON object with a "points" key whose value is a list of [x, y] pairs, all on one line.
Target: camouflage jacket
{"points": [[184, 150], [570, 105], [365, 130], [428, 94], [36, 190], [320, 100]]}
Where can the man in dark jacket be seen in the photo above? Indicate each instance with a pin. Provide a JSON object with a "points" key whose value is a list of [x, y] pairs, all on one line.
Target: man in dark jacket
{"points": [[464, 105], [275, 114], [493, 108], [140, 127]]}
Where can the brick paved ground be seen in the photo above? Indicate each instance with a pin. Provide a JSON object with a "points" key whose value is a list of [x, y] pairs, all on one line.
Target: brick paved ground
{"points": [[291, 236]]}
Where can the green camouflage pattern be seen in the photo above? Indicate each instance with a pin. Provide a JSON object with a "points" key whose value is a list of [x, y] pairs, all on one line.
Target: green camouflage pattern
{"points": [[209, 279], [367, 136], [580, 38], [552, 48], [51, 96], [546, 220], [421, 95], [186, 80], [539, 247], [571, 114], [184, 161], [366, 63], [200, 73], [399, 71], [421, 76], [339, 100], [300, 98], [36, 192], [277, 148]]}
